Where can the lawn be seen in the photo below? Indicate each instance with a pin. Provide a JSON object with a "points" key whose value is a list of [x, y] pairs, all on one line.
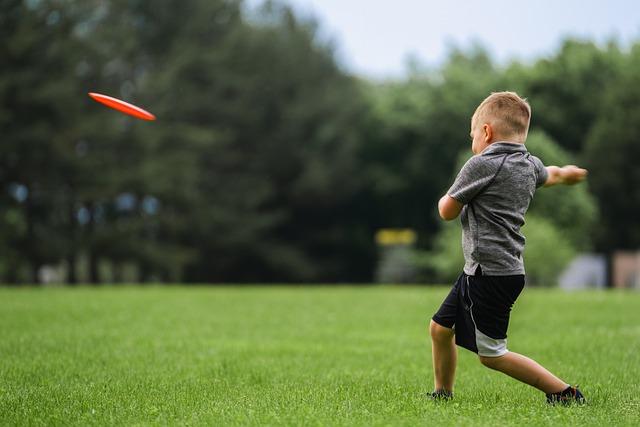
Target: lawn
{"points": [[298, 356]]}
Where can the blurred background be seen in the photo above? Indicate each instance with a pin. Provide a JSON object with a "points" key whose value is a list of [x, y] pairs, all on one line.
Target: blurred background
{"points": [[302, 141]]}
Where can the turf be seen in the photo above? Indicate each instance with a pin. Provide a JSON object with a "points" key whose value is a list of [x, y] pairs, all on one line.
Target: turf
{"points": [[298, 356]]}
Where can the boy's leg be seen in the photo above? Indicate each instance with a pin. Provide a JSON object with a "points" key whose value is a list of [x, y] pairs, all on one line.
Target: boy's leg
{"points": [[526, 370], [491, 299], [445, 356]]}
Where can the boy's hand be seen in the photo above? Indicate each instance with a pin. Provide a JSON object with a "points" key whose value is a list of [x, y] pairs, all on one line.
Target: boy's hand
{"points": [[568, 175], [573, 174]]}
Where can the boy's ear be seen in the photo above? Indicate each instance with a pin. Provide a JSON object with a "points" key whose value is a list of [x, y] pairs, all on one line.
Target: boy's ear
{"points": [[488, 132]]}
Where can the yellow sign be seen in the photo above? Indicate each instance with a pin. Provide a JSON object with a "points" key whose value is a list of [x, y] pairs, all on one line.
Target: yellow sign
{"points": [[395, 236]]}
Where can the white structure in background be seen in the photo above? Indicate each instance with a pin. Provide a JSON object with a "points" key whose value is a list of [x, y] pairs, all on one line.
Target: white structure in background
{"points": [[585, 271], [51, 274]]}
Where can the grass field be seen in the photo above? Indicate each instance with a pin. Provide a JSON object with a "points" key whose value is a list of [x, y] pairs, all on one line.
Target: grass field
{"points": [[298, 356]]}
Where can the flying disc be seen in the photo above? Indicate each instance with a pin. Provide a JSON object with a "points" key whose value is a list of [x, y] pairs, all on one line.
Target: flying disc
{"points": [[123, 107]]}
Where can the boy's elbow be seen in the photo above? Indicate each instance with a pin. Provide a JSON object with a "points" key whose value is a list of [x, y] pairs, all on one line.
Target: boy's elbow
{"points": [[449, 208], [447, 216]]}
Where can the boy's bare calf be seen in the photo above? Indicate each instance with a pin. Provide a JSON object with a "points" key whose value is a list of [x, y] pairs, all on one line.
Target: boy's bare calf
{"points": [[445, 356], [526, 370]]}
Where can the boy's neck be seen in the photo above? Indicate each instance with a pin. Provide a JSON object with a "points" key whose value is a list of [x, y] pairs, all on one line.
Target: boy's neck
{"points": [[501, 141], [505, 141]]}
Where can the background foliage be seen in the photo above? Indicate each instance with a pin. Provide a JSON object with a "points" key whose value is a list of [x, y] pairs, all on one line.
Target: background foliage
{"points": [[268, 161]]}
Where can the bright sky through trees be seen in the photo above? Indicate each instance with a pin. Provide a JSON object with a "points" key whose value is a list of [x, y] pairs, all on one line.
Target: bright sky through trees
{"points": [[374, 38]]}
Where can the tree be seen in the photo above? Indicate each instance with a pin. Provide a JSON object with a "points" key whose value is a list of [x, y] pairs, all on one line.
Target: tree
{"points": [[572, 209], [248, 175], [611, 154], [35, 117], [566, 91], [273, 125], [417, 129]]}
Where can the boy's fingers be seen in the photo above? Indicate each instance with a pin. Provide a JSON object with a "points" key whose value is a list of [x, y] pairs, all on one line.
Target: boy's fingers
{"points": [[578, 175], [579, 172]]}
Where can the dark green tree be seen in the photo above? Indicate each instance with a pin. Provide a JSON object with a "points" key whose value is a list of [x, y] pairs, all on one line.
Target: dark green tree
{"points": [[273, 123], [611, 155], [36, 113]]}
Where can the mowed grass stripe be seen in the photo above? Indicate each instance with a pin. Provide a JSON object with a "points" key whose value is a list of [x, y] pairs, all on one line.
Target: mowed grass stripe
{"points": [[298, 356]]}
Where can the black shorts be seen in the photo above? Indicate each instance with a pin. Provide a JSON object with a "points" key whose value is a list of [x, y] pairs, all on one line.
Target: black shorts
{"points": [[478, 309]]}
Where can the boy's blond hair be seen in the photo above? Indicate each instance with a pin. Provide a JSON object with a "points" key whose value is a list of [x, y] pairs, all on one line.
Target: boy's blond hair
{"points": [[507, 113]]}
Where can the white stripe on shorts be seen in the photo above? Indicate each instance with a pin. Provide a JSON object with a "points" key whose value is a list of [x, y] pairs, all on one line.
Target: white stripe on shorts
{"points": [[487, 346]]}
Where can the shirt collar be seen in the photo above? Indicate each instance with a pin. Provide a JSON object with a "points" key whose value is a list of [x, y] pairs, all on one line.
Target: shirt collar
{"points": [[504, 147]]}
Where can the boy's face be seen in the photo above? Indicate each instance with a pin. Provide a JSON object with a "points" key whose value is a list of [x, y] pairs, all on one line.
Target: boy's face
{"points": [[480, 136]]}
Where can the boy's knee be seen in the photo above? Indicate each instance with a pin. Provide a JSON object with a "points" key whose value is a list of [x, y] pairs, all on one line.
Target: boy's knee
{"points": [[490, 362], [439, 332]]}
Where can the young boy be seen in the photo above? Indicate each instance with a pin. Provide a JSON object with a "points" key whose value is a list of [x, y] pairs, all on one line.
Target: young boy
{"points": [[492, 193]]}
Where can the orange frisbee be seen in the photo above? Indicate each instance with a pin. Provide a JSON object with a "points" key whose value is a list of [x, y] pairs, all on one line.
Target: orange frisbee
{"points": [[123, 107]]}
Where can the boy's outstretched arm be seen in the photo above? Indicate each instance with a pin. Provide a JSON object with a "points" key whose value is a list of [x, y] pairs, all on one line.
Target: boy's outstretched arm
{"points": [[449, 208], [568, 175]]}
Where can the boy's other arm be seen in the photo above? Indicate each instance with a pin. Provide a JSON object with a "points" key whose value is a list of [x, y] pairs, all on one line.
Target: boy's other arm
{"points": [[449, 208], [568, 175]]}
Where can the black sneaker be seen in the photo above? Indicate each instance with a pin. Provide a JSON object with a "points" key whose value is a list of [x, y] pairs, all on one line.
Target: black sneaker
{"points": [[441, 394], [566, 397]]}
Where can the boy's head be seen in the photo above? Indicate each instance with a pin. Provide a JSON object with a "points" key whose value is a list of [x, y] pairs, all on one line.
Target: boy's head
{"points": [[502, 116]]}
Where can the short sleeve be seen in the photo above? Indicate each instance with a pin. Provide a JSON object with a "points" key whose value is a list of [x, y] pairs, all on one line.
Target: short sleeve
{"points": [[541, 171], [474, 176]]}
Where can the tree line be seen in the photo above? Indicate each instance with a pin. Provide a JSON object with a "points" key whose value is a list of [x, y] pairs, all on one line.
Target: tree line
{"points": [[269, 162]]}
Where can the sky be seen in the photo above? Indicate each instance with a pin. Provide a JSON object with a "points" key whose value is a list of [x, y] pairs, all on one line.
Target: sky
{"points": [[374, 38]]}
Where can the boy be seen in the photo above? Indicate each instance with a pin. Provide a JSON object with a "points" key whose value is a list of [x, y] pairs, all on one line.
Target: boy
{"points": [[492, 193]]}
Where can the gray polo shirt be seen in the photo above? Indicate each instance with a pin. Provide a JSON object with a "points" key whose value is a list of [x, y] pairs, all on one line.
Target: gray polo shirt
{"points": [[496, 187]]}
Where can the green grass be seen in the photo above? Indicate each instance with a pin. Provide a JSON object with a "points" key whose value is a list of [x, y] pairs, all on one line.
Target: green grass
{"points": [[298, 356]]}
